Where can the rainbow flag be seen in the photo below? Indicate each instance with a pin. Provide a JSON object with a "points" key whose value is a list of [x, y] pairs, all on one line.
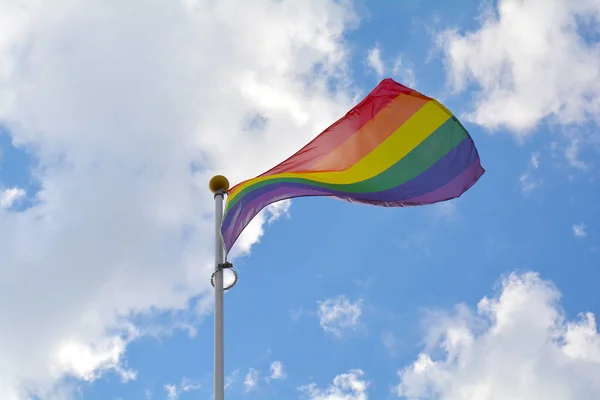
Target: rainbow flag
{"points": [[396, 148]]}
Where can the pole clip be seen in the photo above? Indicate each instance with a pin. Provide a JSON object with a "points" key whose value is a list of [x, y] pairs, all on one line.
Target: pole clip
{"points": [[222, 267]]}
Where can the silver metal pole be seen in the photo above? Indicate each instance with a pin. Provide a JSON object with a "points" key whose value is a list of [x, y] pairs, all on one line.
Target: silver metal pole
{"points": [[219, 370]]}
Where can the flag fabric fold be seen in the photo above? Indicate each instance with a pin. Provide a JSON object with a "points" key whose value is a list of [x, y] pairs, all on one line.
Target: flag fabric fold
{"points": [[396, 148]]}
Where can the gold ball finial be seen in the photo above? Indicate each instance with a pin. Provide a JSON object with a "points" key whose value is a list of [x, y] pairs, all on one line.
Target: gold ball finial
{"points": [[217, 183]]}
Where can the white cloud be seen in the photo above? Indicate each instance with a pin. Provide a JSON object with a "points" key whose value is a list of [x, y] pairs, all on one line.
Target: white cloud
{"points": [[579, 230], [405, 74], [251, 380], [338, 314], [296, 314], [519, 345], [255, 229], [535, 160], [527, 180], [348, 386], [530, 61], [89, 360], [416, 243], [399, 70], [374, 61], [128, 109], [278, 210], [277, 371], [9, 196], [572, 152], [529, 183], [231, 378], [186, 385], [171, 391]]}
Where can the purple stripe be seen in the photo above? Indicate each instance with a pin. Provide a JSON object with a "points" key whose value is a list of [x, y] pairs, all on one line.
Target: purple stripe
{"points": [[251, 209], [448, 178], [440, 174], [452, 189]]}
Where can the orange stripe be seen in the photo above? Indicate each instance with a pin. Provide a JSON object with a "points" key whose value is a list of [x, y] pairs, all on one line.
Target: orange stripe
{"points": [[372, 134]]}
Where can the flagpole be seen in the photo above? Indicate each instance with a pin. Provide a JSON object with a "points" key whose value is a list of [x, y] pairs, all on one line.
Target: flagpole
{"points": [[219, 185]]}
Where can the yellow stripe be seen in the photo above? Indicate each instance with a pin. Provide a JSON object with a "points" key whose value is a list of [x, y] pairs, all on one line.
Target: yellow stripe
{"points": [[425, 121]]}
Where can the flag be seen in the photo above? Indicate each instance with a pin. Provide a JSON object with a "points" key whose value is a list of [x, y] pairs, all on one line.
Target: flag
{"points": [[396, 148]]}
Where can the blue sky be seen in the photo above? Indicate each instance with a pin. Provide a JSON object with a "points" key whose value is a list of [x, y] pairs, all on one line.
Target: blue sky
{"points": [[108, 231]]}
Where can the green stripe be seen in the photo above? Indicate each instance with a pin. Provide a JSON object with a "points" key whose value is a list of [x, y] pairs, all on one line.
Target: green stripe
{"points": [[417, 161]]}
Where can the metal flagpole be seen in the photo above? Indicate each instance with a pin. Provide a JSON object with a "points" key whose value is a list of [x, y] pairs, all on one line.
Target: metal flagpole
{"points": [[219, 185]]}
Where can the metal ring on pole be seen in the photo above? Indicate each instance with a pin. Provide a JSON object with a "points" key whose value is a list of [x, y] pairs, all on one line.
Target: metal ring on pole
{"points": [[220, 192], [223, 267]]}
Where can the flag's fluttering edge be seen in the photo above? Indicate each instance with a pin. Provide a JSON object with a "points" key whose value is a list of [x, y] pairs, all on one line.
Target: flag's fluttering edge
{"points": [[396, 148]]}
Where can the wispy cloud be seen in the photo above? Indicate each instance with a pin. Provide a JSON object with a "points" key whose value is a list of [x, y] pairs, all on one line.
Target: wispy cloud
{"points": [[10, 196], [400, 70], [251, 380], [389, 341], [375, 62], [404, 73], [416, 243], [527, 180], [445, 209], [535, 160], [173, 391], [579, 230], [338, 314], [277, 371], [572, 153], [231, 378], [528, 183], [348, 386], [297, 313]]}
